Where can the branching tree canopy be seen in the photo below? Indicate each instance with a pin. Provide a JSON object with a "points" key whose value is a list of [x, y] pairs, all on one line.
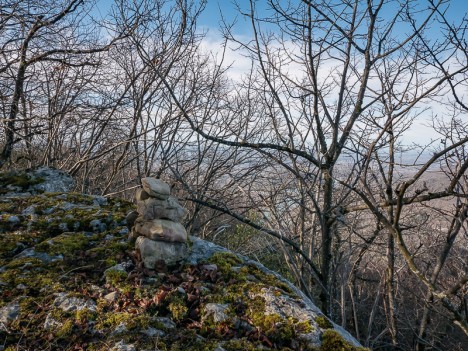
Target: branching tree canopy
{"points": [[340, 82], [308, 151]]}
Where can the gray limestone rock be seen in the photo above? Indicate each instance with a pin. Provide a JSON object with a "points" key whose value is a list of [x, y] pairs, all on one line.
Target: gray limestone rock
{"points": [[121, 328], [55, 180], [8, 314], [152, 251], [31, 252], [166, 322], [122, 346], [97, 225], [300, 307], [69, 304], [178, 212], [156, 188], [157, 229], [141, 195], [161, 230], [116, 268], [217, 311], [39, 180], [131, 218], [202, 250], [111, 297], [153, 208], [153, 332], [51, 323], [99, 200], [14, 219], [133, 235], [28, 211], [285, 306], [149, 207]]}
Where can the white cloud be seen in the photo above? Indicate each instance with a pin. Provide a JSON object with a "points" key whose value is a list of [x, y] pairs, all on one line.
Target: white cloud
{"points": [[240, 64]]}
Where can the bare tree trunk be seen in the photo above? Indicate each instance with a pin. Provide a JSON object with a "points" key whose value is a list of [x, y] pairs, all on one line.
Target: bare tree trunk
{"points": [[327, 237], [390, 272], [390, 290], [17, 95]]}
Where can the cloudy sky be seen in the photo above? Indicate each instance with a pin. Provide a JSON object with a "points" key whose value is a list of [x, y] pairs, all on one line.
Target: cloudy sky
{"points": [[217, 11]]}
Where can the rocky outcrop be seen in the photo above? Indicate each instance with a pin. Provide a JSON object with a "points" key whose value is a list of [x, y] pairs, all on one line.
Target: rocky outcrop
{"points": [[282, 299], [159, 235], [35, 181], [71, 279]]}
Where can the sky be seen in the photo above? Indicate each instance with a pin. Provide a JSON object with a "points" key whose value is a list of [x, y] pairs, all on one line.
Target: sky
{"points": [[217, 10], [210, 20]]}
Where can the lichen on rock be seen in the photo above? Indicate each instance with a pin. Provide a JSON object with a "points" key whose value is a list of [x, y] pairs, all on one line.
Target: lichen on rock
{"points": [[39, 180]]}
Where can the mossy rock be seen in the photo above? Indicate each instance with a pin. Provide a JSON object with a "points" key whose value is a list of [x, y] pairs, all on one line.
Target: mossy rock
{"points": [[41, 260], [323, 322], [19, 181], [333, 341]]}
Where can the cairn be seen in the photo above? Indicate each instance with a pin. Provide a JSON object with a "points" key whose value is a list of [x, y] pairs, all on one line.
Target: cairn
{"points": [[156, 224]]}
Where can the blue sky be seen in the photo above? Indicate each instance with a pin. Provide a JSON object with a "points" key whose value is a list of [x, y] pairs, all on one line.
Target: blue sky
{"points": [[211, 17], [215, 9]]}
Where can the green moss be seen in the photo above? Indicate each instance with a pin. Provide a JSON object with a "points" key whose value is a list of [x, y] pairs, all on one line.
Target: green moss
{"points": [[27, 279], [187, 339], [277, 329], [108, 250], [19, 179], [76, 198], [115, 277], [85, 314], [323, 322], [333, 341], [7, 207], [304, 327], [239, 345], [110, 262], [65, 244], [111, 320], [30, 262], [80, 272], [66, 329], [86, 256], [11, 244], [178, 308], [243, 289], [269, 279], [281, 331], [225, 261]]}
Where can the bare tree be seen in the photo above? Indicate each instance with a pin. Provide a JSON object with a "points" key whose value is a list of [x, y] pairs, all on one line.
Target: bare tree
{"points": [[34, 33], [306, 148], [333, 86]]}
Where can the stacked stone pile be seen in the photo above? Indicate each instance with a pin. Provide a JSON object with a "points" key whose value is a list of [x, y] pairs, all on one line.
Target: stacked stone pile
{"points": [[156, 224]]}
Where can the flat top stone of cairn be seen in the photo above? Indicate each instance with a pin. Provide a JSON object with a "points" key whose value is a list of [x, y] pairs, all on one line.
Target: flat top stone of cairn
{"points": [[156, 188]]}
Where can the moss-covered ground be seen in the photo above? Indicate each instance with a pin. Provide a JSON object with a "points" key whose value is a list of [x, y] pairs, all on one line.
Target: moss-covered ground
{"points": [[17, 180], [70, 255]]}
